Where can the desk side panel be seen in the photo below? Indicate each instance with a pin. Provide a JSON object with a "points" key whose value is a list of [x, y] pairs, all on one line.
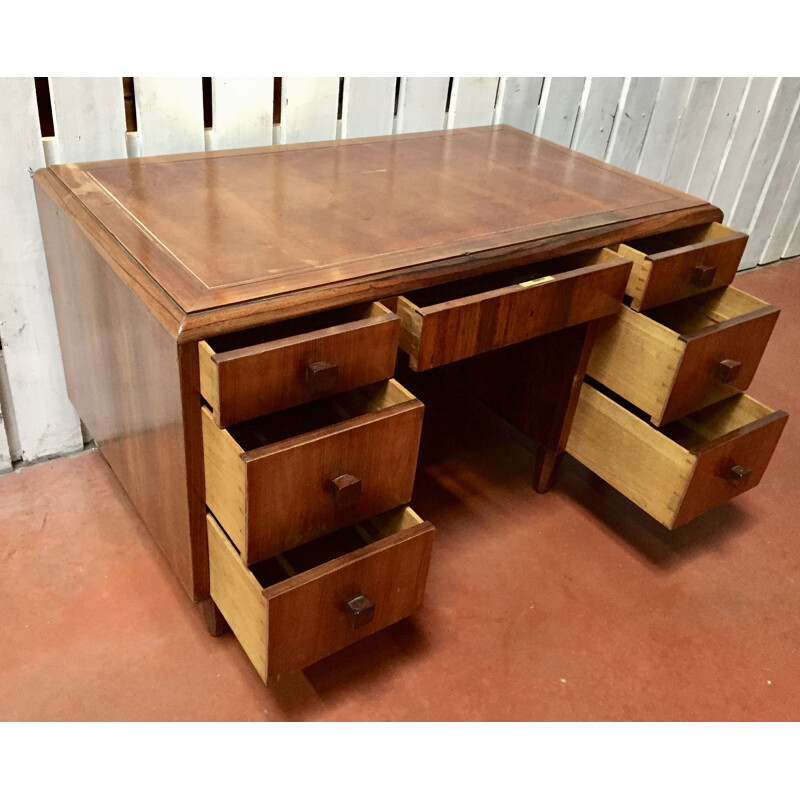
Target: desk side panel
{"points": [[123, 378]]}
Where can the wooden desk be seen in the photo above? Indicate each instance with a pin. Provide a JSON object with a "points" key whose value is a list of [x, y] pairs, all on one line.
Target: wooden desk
{"points": [[196, 292]]}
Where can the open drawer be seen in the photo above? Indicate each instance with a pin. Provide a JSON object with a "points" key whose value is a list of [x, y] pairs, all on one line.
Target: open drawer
{"points": [[680, 357], [677, 472], [669, 266], [284, 479], [292, 610], [446, 323], [253, 372]]}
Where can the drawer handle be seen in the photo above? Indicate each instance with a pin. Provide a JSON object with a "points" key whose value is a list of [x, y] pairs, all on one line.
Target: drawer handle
{"points": [[346, 490], [703, 275], [360, 610], [727, 370], [321, 377], [737, 474]]}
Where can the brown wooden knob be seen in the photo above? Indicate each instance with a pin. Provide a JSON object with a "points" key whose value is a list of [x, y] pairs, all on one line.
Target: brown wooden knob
{"points": [[360, 610], [727, 370], [346, 490], [321, 377], [703, 275], [737, 474]]}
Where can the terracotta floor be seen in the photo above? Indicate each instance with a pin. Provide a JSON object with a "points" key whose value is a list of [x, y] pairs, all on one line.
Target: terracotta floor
{"points": [[568, 606]]}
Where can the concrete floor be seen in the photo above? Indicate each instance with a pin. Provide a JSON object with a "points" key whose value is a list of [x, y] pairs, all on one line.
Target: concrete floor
{"points": [[568, 606]]}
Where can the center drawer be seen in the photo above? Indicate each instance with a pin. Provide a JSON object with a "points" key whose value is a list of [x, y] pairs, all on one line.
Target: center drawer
{"points": [[284, 479], [446, 323], [680, 357], [677, 472], [250, 373], [292, 610]]}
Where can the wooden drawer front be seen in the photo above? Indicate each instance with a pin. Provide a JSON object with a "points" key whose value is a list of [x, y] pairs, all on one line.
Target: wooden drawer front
{"points": [[681, 263], [282, 480], [454, 321], [293, 610], [247, 374], [684, 469], [686, 355]]}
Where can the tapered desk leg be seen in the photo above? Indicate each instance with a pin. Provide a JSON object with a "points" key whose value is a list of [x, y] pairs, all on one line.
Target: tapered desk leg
{"points": [[215, 622], [535, 386]]}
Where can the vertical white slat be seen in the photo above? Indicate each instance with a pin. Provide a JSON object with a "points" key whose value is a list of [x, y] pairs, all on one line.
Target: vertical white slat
{"points": [[241, 112], [368, 107], [599, 107], [519, 102], [89, 117], [792, 249], [169, 115], [422, 104], [472, 102], [788, 216], [309, 108], [558, 109], [773, 195], [777, 121], [45, 422], [631, 123], [663, 129], [5, 399], [694, 124], [724, 115], [751, 118]]}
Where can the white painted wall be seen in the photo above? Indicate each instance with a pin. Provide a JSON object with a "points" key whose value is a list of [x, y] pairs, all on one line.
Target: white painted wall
{"points": [[733, 141]]}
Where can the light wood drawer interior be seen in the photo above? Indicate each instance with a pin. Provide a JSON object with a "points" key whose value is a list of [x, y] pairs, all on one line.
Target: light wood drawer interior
{"points": [[250, 373], [292, 610], [681, 263], [289, 477], [677, 472], [680, 357], [446, 323]]}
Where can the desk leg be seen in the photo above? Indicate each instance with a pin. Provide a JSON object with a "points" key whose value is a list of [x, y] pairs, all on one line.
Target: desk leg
{"points": [[215, 622], [535, 385]]}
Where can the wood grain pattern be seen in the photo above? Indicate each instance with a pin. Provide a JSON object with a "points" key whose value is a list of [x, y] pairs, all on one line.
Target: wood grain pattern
{"points": [[681, 471], [276, 496], [238, 595], [307, 619], [261, 372], [204, 226], [625, 451], [123, 376], [663, 265], [665, 362], [750, 444], [535, 386], [440, 327], [301, 619]]}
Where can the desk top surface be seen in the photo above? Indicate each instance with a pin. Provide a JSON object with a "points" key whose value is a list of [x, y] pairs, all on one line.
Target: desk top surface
{"points": [[220, 228]]}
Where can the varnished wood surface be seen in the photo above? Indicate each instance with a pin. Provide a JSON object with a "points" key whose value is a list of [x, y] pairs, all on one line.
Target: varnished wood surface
{"points": [[301, 616], [672, 266], [535, 386], [122, 375], [273, 497], [680, 471], [665, 361], [215, 229], [249, 380], [453, 322]]}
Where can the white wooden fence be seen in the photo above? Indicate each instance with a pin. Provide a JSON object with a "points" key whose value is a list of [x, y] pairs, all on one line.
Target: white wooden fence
{"points": [[733, 141]]}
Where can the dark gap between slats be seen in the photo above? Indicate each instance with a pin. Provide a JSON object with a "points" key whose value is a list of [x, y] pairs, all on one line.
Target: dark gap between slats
{"points": [[45, 106], [208, 113]]}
